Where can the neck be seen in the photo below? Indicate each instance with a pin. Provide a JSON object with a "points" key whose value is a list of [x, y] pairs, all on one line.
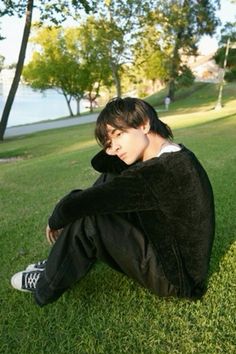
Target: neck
{"points": [[156, 143]]}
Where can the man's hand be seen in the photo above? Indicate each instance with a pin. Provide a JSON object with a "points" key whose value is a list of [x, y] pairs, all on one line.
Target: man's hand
{"points": [[52, 235]]}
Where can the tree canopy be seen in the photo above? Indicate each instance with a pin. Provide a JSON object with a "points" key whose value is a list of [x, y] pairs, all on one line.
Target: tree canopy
{"points": [[177, 26], [124, 36], [53, 11], [70, 61], [228, 37]]}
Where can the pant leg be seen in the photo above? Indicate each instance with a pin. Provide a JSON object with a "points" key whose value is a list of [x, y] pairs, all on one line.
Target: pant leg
{"points": [[132, 253], [109, 238], [70, 258]]}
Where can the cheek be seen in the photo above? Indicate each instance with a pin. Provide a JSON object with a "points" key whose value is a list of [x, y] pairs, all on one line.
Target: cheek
{"points": [[134, 143], [141, 141], [139, 144]]}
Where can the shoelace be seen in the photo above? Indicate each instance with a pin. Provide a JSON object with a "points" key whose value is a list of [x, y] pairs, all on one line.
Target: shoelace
{"points": [[30, 279], [40, 264]]}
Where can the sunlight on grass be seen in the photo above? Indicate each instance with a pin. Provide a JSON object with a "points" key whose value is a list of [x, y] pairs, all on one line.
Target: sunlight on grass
{"points": [[78, 146], [185, 120]]}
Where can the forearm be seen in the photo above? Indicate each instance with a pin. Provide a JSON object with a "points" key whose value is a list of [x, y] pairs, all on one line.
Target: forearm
{"points": [[122, 194]]}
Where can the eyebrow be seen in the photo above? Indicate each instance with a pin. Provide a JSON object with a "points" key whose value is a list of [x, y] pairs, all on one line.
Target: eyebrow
{"points": [[112, 131]]}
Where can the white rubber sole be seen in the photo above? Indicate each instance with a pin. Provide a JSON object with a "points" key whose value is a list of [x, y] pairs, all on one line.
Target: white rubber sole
{"points": [[16, 282]]}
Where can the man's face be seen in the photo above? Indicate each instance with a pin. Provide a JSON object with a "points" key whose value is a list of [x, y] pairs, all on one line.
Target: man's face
{"points": [[129, 145]]}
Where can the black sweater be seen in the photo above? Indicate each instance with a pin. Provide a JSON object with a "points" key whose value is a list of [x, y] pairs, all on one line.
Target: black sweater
{"points": [[172, 199]]}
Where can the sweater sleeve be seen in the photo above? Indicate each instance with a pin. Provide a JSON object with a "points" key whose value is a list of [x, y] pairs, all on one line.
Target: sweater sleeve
{"points": [[125, 193]]}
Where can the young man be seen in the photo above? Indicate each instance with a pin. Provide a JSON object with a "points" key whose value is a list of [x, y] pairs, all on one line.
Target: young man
{"points": [[150, 214]]}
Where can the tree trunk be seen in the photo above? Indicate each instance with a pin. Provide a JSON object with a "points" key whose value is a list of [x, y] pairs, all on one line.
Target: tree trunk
{"points": [[91, 105], [171, 89], [68, 100], [116, 79], [90, 99], [219, 101], [19, 67], [78, 106], [175, 64], [174, 71]]}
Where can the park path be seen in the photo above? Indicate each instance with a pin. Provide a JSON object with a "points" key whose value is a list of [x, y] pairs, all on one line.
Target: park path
{"points": [[52, 124]]}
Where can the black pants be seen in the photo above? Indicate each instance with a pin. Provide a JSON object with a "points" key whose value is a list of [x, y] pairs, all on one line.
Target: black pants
{"points": [[111, 239], [114, 239]]}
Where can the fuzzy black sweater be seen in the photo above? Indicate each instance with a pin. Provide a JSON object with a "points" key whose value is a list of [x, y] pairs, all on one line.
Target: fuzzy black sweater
{"points": [[172, 199]]}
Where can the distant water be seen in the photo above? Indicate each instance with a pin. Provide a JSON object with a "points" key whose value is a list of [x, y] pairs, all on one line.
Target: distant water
{"points": [[33, 106]]}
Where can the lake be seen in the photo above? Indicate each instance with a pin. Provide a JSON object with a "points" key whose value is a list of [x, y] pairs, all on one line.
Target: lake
{"points": [[33, 106]]}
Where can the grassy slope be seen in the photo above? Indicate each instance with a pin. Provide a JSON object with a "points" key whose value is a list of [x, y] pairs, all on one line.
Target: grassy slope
{"points": [[108, 313]]}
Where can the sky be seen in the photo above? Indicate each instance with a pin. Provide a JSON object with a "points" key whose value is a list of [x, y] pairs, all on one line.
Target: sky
{"points": [[12, 29]]}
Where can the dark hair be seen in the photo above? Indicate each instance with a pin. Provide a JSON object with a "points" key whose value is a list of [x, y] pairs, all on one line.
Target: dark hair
{"points": [[129, 112]]}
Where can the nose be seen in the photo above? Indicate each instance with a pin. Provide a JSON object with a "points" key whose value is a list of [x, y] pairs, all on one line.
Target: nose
{"points": [[113, 149]]}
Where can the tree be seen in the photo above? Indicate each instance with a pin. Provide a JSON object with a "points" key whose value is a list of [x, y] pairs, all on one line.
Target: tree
{"points": [[225, 57], [107, 41], [230, 64], [228, 35], [228, 31], [69, 60], [179, 25], [119, 20], [57, 65], [54, 11], [150, 61], [93, 53]]}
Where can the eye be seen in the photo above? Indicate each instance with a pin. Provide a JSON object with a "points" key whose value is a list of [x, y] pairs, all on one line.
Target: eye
{"points": [[119, 133]]}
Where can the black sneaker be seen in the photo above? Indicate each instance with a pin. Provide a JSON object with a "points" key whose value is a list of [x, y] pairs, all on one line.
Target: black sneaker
{"points": [[37, 266], [26, 280]]}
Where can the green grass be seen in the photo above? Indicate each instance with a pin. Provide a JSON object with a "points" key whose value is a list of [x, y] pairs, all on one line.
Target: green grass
{"points": [[107, 312], [200, 97]]}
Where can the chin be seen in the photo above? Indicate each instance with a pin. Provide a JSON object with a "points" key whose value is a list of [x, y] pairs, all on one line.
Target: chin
{"points": [[130, 161]]}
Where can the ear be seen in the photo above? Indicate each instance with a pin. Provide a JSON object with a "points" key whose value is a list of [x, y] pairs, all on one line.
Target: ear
{"points": [[146, 127]]}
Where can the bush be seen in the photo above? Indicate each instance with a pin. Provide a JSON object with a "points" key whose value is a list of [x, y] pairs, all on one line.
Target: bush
{"points": [[230, 75], [186, 77]]}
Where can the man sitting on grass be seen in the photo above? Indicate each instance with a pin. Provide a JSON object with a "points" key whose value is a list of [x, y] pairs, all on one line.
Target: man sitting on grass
{"points": [[150, 214]]}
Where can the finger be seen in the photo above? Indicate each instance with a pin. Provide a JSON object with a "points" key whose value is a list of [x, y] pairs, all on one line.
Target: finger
{"points": [[50, 238]]}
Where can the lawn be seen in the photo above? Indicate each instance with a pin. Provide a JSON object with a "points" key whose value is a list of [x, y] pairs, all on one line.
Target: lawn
{"points": [[106, 312]]}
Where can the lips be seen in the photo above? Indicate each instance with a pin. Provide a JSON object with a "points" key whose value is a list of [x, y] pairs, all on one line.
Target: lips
{"points": [[121, 157]]}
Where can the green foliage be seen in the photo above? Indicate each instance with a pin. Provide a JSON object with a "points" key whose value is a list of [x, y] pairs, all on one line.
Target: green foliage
{"points": [[53, 11], [185, 77], [230, 76], [55, 65], [220, 57], [68, 61], [150, 61], [56, 11], [224, 58], [118, 21], [107, 312], [125, 13], [228, 32], [175, 28], [78, 61], [113, 26], [101, 45]]}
